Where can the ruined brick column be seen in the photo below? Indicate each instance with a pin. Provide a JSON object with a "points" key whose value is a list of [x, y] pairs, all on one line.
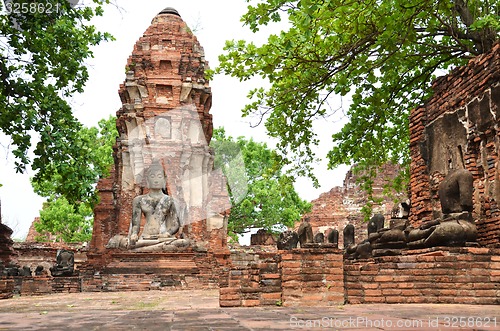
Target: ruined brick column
{"points": [[165, 117], [7, 257], [7, 253]]}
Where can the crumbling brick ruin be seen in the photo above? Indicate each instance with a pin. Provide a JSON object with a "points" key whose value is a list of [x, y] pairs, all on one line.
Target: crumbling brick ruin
{"points": [[35, 236], [342, 204], [165, 118], [7, 252], [456, 129], [263, 238], [7, 255]]}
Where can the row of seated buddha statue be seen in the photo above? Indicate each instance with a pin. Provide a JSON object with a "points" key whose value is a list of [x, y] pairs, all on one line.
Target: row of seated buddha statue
{"points": [[454, 226]]}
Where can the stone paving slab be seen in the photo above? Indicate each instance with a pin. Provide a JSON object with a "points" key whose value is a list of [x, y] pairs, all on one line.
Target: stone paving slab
{"points": [[199, 310]]}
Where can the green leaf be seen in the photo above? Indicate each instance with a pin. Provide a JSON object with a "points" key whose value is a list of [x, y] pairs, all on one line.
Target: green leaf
{"points": [[269, 198], [382, 54], [43, 62], [69, 183]]}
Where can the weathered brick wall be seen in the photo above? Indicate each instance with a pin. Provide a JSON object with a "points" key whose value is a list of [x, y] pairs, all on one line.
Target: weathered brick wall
{"points": [[437, 275], [129, 271], [7, 253], [254, 279], [7, 286], [40, 285], [7, 256], [115, 271], [342, 205], [458, 128], [105, 213], [33, 255], [310, 277]]}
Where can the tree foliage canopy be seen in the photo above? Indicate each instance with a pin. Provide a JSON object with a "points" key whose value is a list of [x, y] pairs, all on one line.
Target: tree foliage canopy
{"points": [[270, 198], [75, 179], [383, 54], [42, 54], [70, 186], [66, 222]]}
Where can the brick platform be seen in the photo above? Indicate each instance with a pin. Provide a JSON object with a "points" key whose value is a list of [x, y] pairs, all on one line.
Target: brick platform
{"points": [[313, 277], [127, 271], [253, 280], [321, 277], [307, 277], [437, 275], [47, 285]]}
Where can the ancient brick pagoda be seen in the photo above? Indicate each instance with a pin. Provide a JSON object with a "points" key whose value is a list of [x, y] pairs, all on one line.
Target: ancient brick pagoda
{"points": [[164, 119]]}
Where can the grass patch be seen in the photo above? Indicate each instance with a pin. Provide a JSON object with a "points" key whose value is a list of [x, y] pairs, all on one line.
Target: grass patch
{"points": [[146, 305]]}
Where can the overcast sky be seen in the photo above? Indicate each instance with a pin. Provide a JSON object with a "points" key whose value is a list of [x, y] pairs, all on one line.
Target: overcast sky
{"points": [[214, 22]]}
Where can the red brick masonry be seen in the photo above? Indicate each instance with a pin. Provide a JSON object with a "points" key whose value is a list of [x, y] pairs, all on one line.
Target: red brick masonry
{"points": [[342, 204], [307, 277], [320, 277], [458, 126], [436, 275], [129, 271]]}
